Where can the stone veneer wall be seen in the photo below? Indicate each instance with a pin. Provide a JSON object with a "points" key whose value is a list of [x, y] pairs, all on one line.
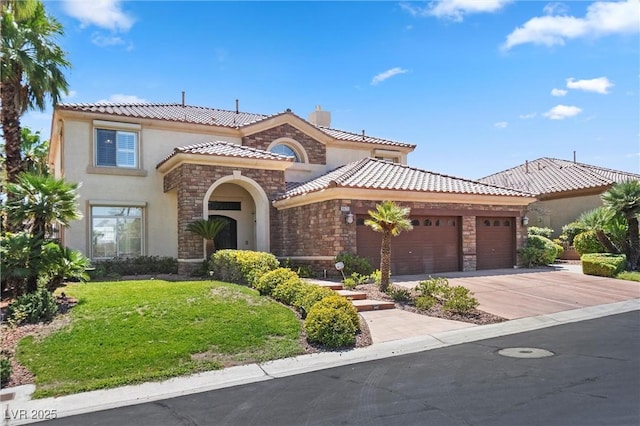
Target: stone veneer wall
{"points": [[192, 182], [316, 151], [320, 230]]}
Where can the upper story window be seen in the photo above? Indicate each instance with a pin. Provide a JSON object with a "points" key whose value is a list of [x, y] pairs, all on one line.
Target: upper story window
{"points": [[283, 149], [116, 148]]}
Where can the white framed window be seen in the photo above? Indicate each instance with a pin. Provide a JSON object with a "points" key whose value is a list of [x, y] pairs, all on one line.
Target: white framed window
{"points": [[116, 148], [283, 149], [116, 231]]}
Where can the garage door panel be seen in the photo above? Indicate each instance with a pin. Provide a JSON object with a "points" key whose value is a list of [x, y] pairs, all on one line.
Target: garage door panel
{"points": [[432, 246], [495, 242]]}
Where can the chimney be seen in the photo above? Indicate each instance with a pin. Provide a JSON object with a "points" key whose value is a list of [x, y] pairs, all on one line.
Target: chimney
{"points": [[237, 106], [574, 156], [320, 117], [183, 97], [526, 166]]}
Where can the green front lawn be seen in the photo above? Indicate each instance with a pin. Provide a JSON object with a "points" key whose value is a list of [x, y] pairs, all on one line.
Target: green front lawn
{"points": [[135, 331], [629, 276]]}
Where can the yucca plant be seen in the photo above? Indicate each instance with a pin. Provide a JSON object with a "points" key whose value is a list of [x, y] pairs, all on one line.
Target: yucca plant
{"points": [[208, 229]]}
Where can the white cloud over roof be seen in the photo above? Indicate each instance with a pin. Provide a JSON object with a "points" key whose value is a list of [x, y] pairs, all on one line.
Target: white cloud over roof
{"points": [[560, 112], [119, 98], [598, 85], [558, 92], [602, 18]]}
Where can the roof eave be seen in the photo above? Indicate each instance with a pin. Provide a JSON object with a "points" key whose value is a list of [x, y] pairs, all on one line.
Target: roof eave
{"points": [[179, 158]]}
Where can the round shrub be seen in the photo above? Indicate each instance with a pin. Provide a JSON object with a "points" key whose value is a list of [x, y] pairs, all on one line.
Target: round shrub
{"points": [[543, 232], [538, 251], [587, 242], [287, 291], [460, 300], [269, 281], [331, 322], [309, 295], [33, 307], [425, 302]]}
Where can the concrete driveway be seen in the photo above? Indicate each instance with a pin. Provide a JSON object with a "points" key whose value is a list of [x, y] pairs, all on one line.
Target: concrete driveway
{"points": [[520, 293]]}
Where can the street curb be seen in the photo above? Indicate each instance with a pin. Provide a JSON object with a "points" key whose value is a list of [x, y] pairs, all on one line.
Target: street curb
{"points": [[22, 411]]}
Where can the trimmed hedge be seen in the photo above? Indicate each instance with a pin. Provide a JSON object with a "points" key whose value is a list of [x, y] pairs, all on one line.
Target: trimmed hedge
{"points": [[603, 264], [332, 322], [309, 296], [269, 281], [287, 291], [141, 265], [538, 251], [242, 266]]}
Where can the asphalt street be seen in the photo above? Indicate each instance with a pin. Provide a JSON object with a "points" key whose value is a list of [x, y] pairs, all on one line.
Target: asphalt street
{"points": [[592, 378]]}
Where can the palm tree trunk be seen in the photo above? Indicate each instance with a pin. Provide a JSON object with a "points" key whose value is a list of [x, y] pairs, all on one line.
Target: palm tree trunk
{"points": [[10, 93], [385, 260], [606, 242], [634, 243]]}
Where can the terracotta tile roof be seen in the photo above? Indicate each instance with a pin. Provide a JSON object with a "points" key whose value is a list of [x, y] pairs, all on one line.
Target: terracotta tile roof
{"points": [[551, 175], [370, 173], [354, 137], [207, 116], [226, 149], [170, 112]]}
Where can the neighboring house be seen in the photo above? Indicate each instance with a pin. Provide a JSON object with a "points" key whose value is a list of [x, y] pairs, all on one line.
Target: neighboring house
{"points": [[290, 186], [565, 189]]}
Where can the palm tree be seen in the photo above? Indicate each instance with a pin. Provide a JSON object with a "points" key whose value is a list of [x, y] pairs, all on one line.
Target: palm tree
{"points": [[30, 71], [208, 229], [605, 223], [41, 202], [390, 219], [624, 198]]}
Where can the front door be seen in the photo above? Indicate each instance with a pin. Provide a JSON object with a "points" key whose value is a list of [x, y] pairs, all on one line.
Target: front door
{"points": [[228, 237]]}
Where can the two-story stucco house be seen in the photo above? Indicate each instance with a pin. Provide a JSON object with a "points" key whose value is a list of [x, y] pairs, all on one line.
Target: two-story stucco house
{"points": [[294, 187]]}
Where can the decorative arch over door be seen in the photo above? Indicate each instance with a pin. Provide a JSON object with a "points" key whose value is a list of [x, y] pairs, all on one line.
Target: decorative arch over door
{"points": [[260, 199]]}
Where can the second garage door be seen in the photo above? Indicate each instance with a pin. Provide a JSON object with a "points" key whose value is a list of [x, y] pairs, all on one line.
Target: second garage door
{"points": [[495, 242], [432, 246]]}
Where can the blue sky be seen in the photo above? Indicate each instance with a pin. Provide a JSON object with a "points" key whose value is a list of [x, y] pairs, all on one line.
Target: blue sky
{"points": [[479, 86]]}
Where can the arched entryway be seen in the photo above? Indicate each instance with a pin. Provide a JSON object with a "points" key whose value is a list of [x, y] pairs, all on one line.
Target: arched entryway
{"points": [[245, 204], [228, 237]]}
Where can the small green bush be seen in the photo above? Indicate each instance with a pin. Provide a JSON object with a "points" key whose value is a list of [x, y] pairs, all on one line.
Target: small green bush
{"points": [[33, 307], [5, 371], [349, 283], [587, 242], [287, 291], [399, 294], [332, 322], [309, 295], [460, 300], [376, 277], [543, 232], [603, 264], [425, 302], [242, 266], [433, 287], [570, 231], [267, 282], [538, 251], [354, 263], [629, 276]]}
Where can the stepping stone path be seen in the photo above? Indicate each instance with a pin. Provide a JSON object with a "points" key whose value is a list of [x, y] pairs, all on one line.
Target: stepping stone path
{"points": [[358, 298]]}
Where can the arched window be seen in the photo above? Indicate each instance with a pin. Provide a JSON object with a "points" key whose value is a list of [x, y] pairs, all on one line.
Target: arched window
{"points": [[283, 149]]}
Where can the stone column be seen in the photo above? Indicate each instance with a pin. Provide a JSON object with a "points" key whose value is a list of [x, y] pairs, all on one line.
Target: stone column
{"points": [[469, 258]]}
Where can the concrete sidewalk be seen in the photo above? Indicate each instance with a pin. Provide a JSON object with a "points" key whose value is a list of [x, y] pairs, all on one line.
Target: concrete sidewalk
{"points": [[394, 332]]}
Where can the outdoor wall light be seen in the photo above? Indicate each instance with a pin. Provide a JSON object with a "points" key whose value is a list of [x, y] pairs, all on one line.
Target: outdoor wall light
{"points": [[525, 221], [349, 218]]}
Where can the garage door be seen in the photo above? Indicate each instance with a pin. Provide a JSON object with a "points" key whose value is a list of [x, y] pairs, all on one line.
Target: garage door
{"points": [[432, 246], [495, 242]]}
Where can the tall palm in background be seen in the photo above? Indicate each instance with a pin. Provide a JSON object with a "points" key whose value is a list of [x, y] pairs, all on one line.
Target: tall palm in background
{"points": [[610, 228], [30, 72], [624, 198], [389, 219]]}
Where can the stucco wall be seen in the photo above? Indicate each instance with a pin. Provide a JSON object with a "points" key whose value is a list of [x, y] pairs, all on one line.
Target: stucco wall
{"points": [[160, 237], [555, 214]]}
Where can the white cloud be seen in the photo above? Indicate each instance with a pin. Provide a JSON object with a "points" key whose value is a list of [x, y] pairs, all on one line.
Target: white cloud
{"points": [[500, 125], [102, 13], [123, 99], [558, 92], [560, 112], [528, 116], [602, 18], [555, 8], [387, 74], [598, 85], [103, 41], [70, 94], [455, 10]]}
